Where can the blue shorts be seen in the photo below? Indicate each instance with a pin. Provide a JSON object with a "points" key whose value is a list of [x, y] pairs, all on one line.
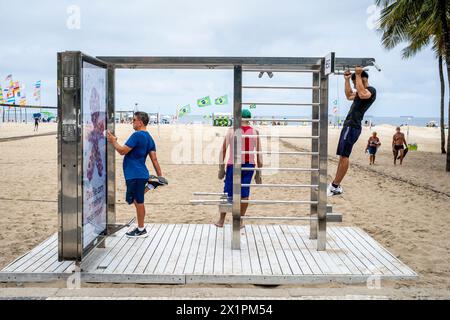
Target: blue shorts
{"points": [[246, 178], [135, 190], [372, 150], [348, 138]]}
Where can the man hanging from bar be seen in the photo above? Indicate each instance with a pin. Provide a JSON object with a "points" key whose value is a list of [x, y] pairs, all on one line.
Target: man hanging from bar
{"points": [[138, 146], [363, 98], [249, 144]]}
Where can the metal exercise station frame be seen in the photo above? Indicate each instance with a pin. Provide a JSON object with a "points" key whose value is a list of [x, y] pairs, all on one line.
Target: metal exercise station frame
{"points": [[70, 242]]}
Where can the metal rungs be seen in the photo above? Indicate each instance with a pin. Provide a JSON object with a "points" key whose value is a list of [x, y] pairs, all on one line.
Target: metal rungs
{"points": [[209, 194], [279, 201], [278, 137], [280, 88], [285, 120], [280, 169], [279, 185], [280, 104], [282, 152], [331, 217], [208, 202]]}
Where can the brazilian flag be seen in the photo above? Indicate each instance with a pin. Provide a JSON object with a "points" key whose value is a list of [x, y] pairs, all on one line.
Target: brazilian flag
{"points": [[252, 106], [184, 110], [203, 102], [220, 101]]}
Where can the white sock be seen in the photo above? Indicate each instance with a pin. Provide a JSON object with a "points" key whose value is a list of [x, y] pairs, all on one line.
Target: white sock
{"points": [[141, 229]]}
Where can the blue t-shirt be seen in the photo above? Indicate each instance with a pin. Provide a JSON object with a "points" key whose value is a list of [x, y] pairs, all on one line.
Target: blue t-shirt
{"points": [[141, 143]]}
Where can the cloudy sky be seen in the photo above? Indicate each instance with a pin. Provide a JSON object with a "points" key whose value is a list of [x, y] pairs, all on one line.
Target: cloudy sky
{"points": [[31, 39]]}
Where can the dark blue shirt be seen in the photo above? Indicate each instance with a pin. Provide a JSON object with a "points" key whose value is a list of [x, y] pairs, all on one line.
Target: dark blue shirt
{"points": [[141, 143]]}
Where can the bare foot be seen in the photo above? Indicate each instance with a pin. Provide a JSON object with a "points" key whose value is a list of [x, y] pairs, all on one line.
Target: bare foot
{"points": [[219, 224]]}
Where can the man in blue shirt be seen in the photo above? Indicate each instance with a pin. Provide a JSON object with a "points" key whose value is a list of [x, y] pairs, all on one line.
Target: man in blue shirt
{"points": [[138, 146]]}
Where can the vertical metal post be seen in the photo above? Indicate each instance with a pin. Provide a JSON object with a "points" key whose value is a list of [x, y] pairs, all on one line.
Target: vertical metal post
{"points": [[323, 157], [237, 142], [69, 155], [110, 152], [314, 158]]}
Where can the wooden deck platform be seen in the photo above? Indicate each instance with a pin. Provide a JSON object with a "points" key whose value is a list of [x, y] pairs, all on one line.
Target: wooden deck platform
{"points": [[201, 253]]}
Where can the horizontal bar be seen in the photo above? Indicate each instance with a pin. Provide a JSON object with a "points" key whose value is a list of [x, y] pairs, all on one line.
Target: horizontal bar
{"points": [[208, 202], [277, 218], [279, 169], [280, 201], [334, 217], [209, 194], [280, 88], [278, 137], [279, 185], [280, 104], [282, 153], [281, 70], [285, 120], [26, 106]]}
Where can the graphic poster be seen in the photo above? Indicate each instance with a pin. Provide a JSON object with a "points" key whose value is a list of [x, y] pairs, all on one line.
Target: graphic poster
{"points": [[94, 117]]}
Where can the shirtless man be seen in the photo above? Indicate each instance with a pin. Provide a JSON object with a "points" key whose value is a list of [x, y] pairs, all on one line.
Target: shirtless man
{"points": [[398, 145]]}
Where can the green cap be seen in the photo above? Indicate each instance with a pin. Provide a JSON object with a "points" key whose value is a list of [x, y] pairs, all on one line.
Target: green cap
{"points": [[246, 114]]}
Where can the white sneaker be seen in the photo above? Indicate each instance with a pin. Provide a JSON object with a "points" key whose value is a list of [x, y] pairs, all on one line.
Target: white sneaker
{"points": [[332, 191]]}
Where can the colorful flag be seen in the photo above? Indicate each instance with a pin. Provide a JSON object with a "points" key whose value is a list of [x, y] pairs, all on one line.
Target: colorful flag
{"points": [[184, 110], [252, 106], [10, 97], [221, 100], [23, 101], [203, 102], [37, 90], [16, 88], [1, 95]]}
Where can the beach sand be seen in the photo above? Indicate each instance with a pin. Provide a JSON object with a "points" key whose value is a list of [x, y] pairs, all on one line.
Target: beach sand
{"points": [[404, 208]]}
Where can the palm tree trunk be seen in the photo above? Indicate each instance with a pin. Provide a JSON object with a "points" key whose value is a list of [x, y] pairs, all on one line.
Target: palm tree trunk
{"points": [[442, 122], [445, 29]]}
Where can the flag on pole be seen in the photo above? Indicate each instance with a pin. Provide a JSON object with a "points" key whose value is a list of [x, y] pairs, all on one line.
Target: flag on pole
{"points": [[16, 88], [1, 94], [220, 101], [10, 99], [252, 106], [184, 110], [37, 90], [203, 102], [23, 101]]}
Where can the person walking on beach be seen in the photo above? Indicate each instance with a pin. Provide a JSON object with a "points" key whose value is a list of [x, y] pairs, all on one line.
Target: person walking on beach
{"points": [[135, 151], [372, 146], [250, 144], [363, 98], [36, 124], [398, 145]]}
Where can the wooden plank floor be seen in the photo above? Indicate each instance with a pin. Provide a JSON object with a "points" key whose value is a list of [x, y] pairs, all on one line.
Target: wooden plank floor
{"points": [[175, 253]]}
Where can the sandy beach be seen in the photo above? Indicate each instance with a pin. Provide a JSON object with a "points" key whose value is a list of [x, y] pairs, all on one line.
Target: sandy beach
{"points": [[405, 208]]}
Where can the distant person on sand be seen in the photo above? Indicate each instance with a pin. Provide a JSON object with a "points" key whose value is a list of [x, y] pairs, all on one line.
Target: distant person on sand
{"points": [[363, 98], [372, 146], [138, 146], [36, 124], [398, 145], [250, 144]]}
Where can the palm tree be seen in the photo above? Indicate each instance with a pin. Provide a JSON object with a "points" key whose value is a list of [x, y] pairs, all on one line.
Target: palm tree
{"points": [[419, 23]]}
